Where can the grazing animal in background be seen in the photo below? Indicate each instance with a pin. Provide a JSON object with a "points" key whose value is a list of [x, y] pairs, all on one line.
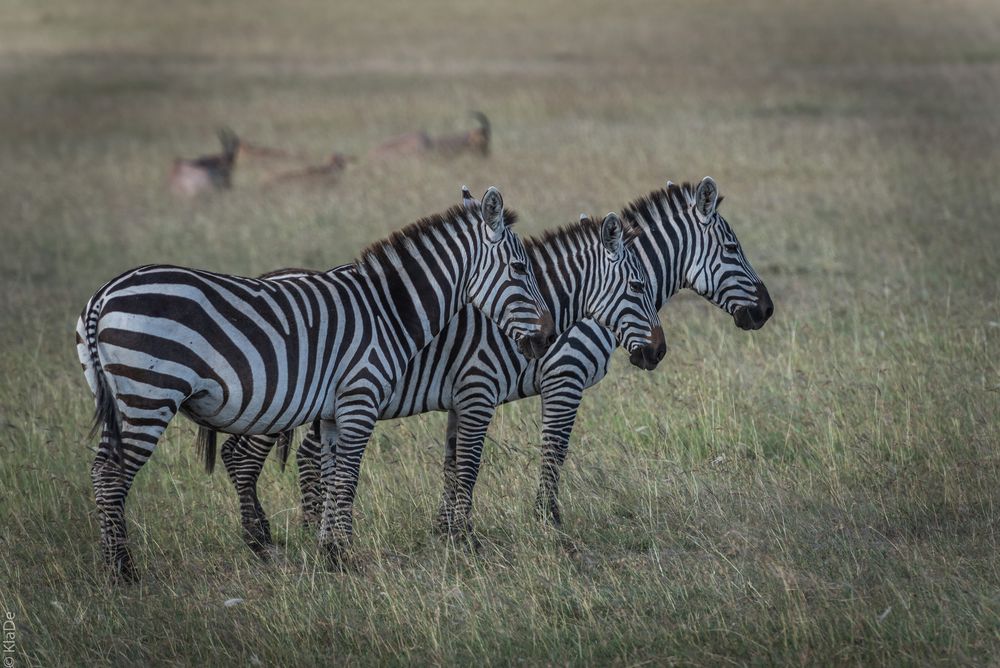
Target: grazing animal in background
{"points": [[328, 173], [421, 143], [208, 173], [585, 270], [250, 150], [251, 356], [683, 242]]}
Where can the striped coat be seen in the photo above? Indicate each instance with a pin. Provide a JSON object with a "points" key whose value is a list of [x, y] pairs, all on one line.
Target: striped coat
{"points": [[251, 356], [586, 270], [683, 242]]}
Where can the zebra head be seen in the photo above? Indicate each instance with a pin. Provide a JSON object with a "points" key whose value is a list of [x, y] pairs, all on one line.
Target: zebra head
{"points": [[502, 284], [719, 271], [621, 301]]}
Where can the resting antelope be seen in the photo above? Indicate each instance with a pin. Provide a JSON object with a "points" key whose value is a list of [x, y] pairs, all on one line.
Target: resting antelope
{"points": [[328, 173], [189, 178], [420, 143]]}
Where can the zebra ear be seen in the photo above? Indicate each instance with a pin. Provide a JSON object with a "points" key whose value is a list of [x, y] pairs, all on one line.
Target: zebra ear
{"points": [[470, 203], [706, 198], [493, 210], [612, 235]]}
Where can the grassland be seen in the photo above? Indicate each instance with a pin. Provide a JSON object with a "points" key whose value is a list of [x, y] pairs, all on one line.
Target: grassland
{"points": [[823, 491]]}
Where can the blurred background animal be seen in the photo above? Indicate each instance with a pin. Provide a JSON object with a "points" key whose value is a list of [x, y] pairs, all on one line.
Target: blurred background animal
{"points": [[189, 178], [476, 140], [327, 173]]}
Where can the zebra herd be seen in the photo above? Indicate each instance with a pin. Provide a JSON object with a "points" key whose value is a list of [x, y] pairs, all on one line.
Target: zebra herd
{"points": [[450, 313]]}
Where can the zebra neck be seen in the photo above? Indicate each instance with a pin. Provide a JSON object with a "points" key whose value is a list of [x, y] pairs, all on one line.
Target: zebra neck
{"points": [[564, 277], [412, 304], [664, 245]]}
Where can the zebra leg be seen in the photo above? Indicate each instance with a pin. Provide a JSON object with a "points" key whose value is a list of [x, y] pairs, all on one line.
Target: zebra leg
{"points": [[446, 513], [112, 481], [473, 421], [243, 457], [344, 444], [559, 407], [308, 460]]}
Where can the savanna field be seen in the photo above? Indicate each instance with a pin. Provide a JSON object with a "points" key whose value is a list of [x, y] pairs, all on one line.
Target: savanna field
{"points": [[823, 491]]}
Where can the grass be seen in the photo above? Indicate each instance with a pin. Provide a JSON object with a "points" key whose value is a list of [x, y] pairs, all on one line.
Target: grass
{"points": [[823, 491]]}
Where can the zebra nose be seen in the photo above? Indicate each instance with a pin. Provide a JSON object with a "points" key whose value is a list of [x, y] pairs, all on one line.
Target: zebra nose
{"points": [[764, 302], [548, 328], [659, 343]]}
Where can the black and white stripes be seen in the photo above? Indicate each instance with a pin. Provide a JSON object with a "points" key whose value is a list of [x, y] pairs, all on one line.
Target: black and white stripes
{"points": [[585, 270], [251, 356], [444, 315], [682, 242]]}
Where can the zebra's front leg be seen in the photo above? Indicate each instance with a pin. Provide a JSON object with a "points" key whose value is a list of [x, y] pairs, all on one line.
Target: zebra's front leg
{"points": [[559, 406], [446, 512], [243, 457], [308, 459], [344, 443], [473, 421]]}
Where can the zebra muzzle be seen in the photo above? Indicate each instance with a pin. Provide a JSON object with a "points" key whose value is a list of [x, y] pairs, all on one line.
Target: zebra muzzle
{"points": [[537, 344], [754, 316], [647, 357]]}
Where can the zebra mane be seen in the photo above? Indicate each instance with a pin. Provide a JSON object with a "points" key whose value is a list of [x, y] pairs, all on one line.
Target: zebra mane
{"points": [[638, 210], [584, 232], [387, 252]]}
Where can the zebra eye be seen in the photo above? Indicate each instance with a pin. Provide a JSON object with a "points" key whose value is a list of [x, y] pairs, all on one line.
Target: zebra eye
{"points": [[637, 286], [519, 267], [731, 248]]}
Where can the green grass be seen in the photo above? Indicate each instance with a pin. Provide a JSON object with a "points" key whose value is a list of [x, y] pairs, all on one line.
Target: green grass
{"points": [[822, 491]]}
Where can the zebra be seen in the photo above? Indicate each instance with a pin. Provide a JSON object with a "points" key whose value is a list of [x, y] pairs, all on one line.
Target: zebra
{"points": [[252, 356], [585, 270], [683, 242]]}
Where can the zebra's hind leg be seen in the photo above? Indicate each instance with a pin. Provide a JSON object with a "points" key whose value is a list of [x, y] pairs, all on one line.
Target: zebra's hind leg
{"points": [[113, 479], [446, 512], [473, 421], [243, 457], [559, 406], [310, 485]]}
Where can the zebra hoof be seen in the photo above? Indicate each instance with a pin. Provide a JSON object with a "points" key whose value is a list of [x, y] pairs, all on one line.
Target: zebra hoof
{"points": [[548, 514], [123, 570], [463, 536], [337, 548], [337, 559], [472, 542], [258, 538]]}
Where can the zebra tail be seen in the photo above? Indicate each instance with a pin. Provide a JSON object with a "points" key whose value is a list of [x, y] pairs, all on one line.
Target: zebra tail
{"points": [[206, 447], [105, 409], [284, 441]]}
